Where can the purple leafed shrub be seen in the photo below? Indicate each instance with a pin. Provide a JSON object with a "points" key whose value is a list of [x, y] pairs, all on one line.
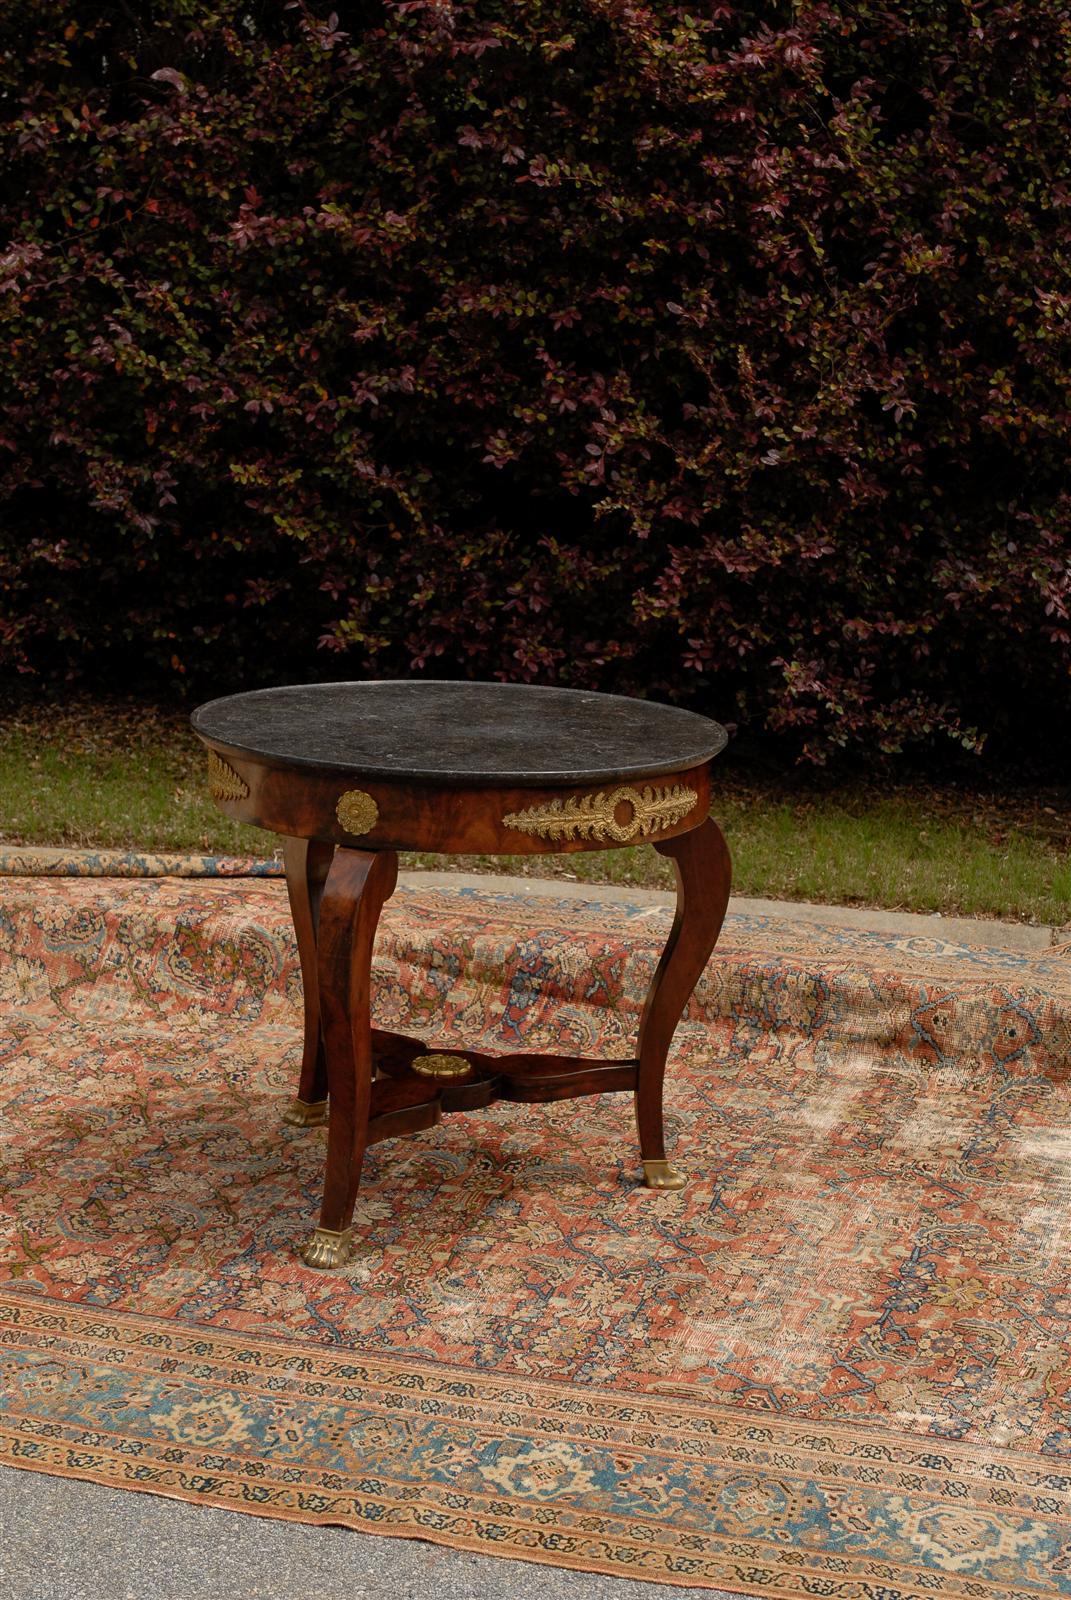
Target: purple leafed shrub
{"points": [[713, 352]]}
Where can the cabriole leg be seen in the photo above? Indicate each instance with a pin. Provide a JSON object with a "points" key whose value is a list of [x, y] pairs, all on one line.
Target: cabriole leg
{"points": [[701, 860], [358, 885], [307, 862]]}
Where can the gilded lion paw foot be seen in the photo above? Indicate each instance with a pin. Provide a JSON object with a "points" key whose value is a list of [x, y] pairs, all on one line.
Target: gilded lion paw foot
{"points": [[327, 1248], [660, 1175], [306, 1113]]}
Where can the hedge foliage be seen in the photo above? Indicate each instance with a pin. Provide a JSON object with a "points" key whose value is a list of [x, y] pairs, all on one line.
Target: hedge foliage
{"points": [[714, 352]]}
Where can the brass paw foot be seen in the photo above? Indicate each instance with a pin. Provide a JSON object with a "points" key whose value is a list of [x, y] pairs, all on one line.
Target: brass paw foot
{"points": [[660, 1175], [306, 1113], [327, 1248]]}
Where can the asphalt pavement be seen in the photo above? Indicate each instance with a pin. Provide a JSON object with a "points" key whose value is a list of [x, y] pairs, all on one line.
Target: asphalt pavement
{"points": [[65, 1540]]}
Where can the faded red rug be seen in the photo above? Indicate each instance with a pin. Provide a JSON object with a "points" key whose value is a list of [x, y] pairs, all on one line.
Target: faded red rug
{"points": [[836, 1364]]}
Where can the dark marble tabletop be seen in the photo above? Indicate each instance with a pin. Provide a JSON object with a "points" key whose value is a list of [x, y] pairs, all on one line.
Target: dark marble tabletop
{"points": [[461, 733]]}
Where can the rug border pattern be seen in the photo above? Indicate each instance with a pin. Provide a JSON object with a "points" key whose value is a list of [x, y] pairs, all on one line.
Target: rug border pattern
{"points": [[837, 1455]]}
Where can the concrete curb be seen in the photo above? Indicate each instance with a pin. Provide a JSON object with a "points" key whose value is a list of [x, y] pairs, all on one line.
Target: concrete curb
{"points": [[988, 932]]}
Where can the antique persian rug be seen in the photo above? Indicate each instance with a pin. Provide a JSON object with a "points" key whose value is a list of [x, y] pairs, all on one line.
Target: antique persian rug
{"points": [[836, 1364]]}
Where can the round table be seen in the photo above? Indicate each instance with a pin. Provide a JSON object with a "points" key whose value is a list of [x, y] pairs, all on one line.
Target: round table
{"points": [[351, 773]]}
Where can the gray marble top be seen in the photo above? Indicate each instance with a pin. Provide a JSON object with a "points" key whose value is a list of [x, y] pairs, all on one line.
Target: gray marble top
{"points": [[461, 733]]}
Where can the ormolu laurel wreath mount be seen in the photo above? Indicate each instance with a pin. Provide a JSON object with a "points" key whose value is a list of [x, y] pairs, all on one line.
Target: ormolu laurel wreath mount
{"points": [[352, 773]]}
